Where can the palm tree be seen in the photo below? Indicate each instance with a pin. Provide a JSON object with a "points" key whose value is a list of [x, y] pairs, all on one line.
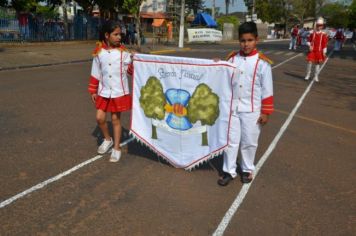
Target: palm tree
{"points": [[227, 4]]}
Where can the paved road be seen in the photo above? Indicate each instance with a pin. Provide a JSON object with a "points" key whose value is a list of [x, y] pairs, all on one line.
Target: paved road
{"points": [[306, 187]]}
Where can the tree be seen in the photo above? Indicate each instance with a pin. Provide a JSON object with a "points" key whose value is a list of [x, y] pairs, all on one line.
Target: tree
{"points": [[271, 10], [24, 5], [133, 7], [152, 101], [203, 106], [303, 9], [195, 5], [335, 14], [227, 4], [53, 3], [227, 19], [3, 3], [87, 5], [352, 14]]}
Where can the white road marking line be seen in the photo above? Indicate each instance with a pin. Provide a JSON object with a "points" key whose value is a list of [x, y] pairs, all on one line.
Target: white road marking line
{"points": [[55, 178], [286, 61], [59, 176], [243, 192]]}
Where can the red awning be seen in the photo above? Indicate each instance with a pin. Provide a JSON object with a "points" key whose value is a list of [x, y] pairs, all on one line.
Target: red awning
{"points": [[158, 22]]}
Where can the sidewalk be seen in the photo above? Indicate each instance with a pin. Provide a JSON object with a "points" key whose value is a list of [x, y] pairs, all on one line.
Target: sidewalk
{"points": [[18, 56], [27, 55]]}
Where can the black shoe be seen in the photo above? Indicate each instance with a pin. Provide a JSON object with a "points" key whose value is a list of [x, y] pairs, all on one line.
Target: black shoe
{"points": [[225, 179], [246, 177]]}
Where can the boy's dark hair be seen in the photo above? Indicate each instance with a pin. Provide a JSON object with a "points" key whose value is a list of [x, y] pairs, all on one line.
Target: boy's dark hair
{"points": [[248, 28], [108, 27]]}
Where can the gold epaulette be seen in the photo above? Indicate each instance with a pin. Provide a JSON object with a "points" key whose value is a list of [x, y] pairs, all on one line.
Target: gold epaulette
{"points": [[265, 58], [231, 54], [99, 46], [123, 48]]}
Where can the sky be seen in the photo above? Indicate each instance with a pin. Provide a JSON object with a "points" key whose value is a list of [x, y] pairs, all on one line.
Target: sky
{"points": [[239, 5]]}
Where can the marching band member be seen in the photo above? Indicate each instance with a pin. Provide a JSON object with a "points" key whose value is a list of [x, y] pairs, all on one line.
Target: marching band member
{"points": [[318, 42], [252, 104], [339, 39], [108, 85]]}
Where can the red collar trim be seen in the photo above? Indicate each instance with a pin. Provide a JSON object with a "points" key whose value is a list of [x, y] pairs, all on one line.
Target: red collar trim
{"points": [[106, 47], [254, 52]]}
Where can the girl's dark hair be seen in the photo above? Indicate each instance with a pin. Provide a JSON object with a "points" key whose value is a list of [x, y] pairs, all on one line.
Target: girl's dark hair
{"points": [[108, 27], [248, 28]]}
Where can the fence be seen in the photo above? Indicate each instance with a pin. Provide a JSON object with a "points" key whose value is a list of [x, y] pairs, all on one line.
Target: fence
{"points": [[33, 28]]}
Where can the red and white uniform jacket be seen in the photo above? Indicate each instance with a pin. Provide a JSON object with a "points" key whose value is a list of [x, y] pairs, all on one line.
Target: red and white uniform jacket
{"points": [[109, 71], [318, 40], [294, 31], [253, 86], [339, 35]]}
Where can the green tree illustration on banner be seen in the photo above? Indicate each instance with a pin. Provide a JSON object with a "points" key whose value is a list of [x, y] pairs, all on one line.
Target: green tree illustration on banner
{"points": [[152, 101], [203, 106]]}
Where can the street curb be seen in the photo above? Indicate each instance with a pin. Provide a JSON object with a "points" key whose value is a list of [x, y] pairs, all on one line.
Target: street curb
{"points": [[43, 65], [275, 40], [169, 51], [81, 61], [34, 44]]}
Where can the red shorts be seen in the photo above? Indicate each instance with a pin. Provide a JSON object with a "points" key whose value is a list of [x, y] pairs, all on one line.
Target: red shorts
{"points": [[316, 57], [119, 104]]}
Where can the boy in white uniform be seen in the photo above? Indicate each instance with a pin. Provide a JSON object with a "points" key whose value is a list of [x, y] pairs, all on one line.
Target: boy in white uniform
{"points": [[252, 104]]}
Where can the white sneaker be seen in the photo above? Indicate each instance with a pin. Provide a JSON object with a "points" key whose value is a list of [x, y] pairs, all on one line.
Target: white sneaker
{"points": [[307, 77], [105, 146], [115, 155], [316, 79]]}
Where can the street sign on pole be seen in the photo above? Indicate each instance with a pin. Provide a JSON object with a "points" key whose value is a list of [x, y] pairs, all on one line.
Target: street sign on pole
{"points": [[254, 17], [248, 18]]}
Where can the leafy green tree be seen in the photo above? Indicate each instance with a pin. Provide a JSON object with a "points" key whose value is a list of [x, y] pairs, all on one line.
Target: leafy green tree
{"points": [[203, 106], [47, 12], [152, 101], [24, 5], [133, 7], [352, 14], [271, 10], [335, 14], [303, 9]]}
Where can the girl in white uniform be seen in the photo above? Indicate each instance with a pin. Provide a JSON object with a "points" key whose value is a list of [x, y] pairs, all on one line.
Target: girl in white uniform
{"points": [[108, 85]]}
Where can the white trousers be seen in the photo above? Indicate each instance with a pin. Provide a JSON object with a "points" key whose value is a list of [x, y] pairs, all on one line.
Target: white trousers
{"points": [[244, 133]]}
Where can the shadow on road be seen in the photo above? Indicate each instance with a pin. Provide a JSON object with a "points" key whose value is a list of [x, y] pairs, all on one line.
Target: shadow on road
{"points": [[346, 53], [295, 75]]}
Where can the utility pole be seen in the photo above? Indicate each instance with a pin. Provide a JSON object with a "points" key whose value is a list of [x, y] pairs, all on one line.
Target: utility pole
{"points": [[65, 19], [181, 29], [213, 10]]}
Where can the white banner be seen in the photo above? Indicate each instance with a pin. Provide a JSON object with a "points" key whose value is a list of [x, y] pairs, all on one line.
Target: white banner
{"points": [[204, 34], [181, 107]]}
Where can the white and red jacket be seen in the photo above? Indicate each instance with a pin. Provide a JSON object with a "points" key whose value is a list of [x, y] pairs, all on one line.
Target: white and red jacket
{"points": [[253, 86], [318, 41], [109, 71]]}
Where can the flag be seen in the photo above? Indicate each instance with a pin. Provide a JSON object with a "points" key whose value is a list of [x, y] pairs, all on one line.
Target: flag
{"points": [[182, 107]]}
